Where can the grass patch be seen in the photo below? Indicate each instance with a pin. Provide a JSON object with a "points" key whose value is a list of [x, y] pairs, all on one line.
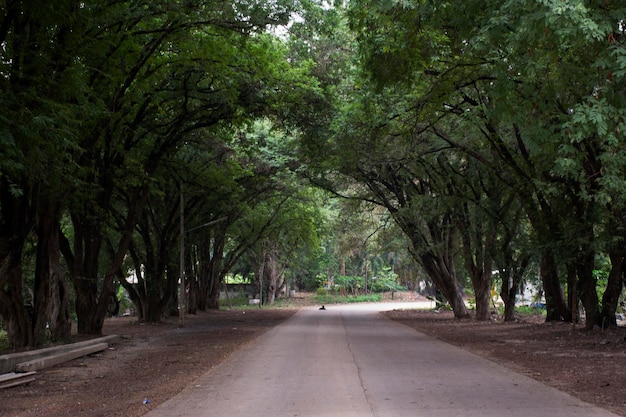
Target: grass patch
{"points": [[342, 299], [531, 311], [242, 303]]}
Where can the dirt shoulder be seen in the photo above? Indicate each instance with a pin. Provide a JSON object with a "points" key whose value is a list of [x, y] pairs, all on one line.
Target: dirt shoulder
{"points": [[151, 364], [590, 365], [155, 362]]}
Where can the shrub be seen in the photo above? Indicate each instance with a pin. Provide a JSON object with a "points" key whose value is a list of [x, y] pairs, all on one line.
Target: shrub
{"points": [[321, 291], [339, 299]]}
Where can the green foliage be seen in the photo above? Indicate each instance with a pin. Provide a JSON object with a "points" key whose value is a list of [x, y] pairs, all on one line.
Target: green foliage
{"points": [[354, 285], [239, 303], [347, 299], [124, 300], [242, 303], [465, 123], [129, 99], [350, 284], [528, 310], [321, 291], [601, 274]]}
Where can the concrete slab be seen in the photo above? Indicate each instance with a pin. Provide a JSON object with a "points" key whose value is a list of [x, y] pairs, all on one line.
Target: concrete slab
{"points": [[49, 361], [9, 361], [13, 379]]}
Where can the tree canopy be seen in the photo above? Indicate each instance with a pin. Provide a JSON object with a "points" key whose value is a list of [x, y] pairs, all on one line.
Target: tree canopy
{"points": [[278, 137]]}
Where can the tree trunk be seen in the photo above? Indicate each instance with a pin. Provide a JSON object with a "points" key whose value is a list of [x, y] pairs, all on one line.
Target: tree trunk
{"points": [[572, 292], [94, 292], [613, 289], [15, 224], [60, 318], [508, 293], [481, 282], [480, 275], [42, 290], [438, 264], [587, 289], [84, 274], [153, 303], [213, 296], [557, 309], [86, 300], [444, 277], [51, 295], [215, 272], [200, 277], [160, 281], [17, 321], [261, 274], [136, 291], [273, 274], [191, 290], [511, 280], [478, 240]]}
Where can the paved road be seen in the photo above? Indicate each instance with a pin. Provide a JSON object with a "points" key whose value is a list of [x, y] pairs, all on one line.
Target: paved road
{"points": [[349, 361]]}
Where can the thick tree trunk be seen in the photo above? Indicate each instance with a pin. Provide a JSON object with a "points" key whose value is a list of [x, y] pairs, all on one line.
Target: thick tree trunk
{"points": [[215, 273], [153, 302], [17, 321], [192, 298], [508, 293], [15, 224], [60, 317], [511, 279], [86, 300], [273, 275], [572, 291], [477, 240], [260, 273], [161, 282], [136, 291], [613, 290], [202, 274], [482, 291], [438, 265], [42, 290], [213, 296], [444, 277], [85, 278], [587, 289], [51, 295], [191, 290], [557, 309], [202, 297], [481, 282]]}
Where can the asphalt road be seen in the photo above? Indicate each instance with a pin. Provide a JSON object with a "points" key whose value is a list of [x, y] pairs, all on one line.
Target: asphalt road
{"points": [[349, 361]]}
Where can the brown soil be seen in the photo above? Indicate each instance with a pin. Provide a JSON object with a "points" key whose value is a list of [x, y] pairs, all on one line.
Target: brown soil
{"points": [[590, 365], [154, 362]]}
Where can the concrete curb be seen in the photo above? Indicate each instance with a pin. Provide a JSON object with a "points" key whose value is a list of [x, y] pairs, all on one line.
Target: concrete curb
{"points": [[48, 361], [9, 362], [12, 379]]}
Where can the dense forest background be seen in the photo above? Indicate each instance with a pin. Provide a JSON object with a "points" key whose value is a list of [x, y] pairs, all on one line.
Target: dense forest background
{"points": [[452, 145]]}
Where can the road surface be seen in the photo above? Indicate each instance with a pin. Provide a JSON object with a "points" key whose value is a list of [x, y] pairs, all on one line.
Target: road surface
{"points": [[349, 361]]}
